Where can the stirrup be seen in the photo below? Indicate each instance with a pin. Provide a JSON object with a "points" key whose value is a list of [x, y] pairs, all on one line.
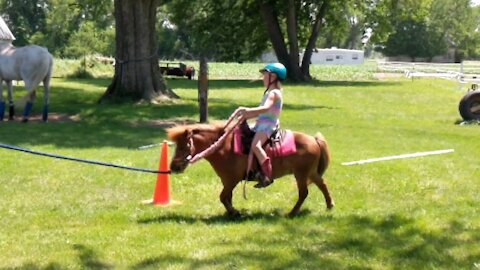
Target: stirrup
{"points": [[253, 176], [263, 183], [250, 176]]}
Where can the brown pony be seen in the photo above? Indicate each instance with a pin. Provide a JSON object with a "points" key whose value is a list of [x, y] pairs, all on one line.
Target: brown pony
{"points": [[308, 164]]}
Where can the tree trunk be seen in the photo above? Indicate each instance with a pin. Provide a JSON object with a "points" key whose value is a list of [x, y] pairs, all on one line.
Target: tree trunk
{"points": [[203, 90], [292, 31], [291, 60], [137, 73], [307, 56], [275, 33]]}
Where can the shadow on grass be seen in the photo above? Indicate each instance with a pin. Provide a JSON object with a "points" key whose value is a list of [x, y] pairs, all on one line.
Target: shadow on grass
{"points": [[89, 259], [107, 125], [220, 219], [350, 241], [394, 240]]}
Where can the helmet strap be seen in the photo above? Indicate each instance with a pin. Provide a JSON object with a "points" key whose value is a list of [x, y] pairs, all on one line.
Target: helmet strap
{"points": [[270, 82]]}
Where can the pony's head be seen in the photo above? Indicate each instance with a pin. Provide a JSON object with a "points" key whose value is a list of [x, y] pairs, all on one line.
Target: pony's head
{"points": [[189, 141], [182, 137]]}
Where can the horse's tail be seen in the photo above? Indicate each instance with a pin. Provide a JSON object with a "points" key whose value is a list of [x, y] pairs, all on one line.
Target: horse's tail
{"points": [[324, 153]]}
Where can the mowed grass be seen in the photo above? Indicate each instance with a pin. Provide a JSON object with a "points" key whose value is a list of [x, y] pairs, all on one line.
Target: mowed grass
{"points": [[419, 213]]}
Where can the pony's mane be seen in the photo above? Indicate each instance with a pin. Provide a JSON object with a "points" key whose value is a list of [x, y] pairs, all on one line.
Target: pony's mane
{"points": [[176, 132]]}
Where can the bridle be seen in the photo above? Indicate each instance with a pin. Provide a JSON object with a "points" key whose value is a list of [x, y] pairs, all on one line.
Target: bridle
{"points": [[192, 148], [192, 158], [191, 151]]}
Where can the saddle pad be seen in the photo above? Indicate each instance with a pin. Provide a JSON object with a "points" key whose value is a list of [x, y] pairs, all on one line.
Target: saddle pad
{"points": [[278, 149]]}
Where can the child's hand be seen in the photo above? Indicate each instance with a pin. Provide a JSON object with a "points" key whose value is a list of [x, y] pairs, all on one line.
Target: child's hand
{"points": [[241, 113]]}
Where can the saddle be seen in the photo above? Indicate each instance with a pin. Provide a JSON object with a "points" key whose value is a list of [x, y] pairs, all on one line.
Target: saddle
{"points": [[281, 142]]}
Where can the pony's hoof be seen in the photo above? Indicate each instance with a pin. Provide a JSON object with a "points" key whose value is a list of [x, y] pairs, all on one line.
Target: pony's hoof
{"points": [[330, 206], [234, 214], [292, 214]]}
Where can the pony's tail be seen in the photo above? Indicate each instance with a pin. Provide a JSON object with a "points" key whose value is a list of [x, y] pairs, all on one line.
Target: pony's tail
{"points": [[324, 154]]}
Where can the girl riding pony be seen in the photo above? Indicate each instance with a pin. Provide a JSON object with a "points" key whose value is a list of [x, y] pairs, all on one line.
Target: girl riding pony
{"points": [[267, 116]]}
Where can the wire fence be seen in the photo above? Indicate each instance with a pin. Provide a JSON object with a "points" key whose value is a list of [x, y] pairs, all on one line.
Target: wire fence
{"points": [[464, 73]]}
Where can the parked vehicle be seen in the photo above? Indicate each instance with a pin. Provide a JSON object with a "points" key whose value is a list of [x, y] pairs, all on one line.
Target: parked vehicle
{"points": [[177, 69]]}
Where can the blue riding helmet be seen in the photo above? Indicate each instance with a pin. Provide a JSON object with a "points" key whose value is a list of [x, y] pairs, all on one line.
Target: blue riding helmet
{"points": [[276, 68]]}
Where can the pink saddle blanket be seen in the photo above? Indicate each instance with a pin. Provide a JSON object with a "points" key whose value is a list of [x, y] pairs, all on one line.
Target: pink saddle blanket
{"points": [[281, 148]]}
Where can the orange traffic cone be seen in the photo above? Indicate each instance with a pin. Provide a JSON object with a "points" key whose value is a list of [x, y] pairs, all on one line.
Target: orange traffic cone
{"points": [[162, 188]]}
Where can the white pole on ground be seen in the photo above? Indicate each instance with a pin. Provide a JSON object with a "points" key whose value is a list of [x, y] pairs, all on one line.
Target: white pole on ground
{"points": [[412, 155]]}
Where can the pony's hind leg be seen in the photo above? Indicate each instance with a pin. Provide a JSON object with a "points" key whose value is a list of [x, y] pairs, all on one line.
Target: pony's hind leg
{"points": [[302, 185], [322, 185], [2, 102], [31, 96], [11, 106], [46, 98]]}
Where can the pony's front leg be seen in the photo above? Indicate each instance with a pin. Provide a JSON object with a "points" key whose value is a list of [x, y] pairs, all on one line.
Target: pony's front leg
{"points": [[226, 198]]}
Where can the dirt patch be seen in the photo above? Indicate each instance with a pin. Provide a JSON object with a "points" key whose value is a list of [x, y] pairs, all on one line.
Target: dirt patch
{"points": [[65, 118], [163, 123], [52, 117]]}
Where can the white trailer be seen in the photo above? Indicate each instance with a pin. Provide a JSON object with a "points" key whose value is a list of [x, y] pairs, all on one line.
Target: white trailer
{"points": [[336, 56], [331, 56]]}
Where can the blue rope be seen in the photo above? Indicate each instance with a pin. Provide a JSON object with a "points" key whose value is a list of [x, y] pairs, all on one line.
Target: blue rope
{"points": [[11, 147]]}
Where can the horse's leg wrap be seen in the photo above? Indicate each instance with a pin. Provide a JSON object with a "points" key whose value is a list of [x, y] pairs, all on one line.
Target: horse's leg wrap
{"points": [[26, 112], [2, 110], [11, 110], [45, 113]]}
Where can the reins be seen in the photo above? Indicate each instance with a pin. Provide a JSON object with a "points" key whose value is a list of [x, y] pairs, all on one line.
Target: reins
{"points": [[212, 148]]}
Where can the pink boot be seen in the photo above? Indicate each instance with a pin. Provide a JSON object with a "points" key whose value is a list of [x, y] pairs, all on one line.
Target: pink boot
{"points": [[267, 171]]}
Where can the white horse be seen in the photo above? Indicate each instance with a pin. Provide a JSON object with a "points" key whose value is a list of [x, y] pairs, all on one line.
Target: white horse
{"points": [[32, 64]]}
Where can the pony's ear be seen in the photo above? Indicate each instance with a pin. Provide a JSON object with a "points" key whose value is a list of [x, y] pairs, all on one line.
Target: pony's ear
{"points": [[190, 132], [195, 131]]}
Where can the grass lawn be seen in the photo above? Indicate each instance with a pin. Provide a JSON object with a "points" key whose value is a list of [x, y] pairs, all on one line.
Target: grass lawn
{"points": [[419, 213]]}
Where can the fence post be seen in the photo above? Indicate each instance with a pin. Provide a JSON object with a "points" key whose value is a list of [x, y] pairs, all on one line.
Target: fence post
{"points": [[460, 77], [413, 70]]}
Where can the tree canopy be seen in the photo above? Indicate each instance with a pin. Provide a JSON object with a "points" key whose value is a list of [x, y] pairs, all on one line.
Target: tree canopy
{"points": [[425, 28], [240, 30]]}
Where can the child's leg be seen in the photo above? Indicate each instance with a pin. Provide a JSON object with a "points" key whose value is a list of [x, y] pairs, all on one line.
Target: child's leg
{"points": [[258, 140], [264, 161], [252, 153]]}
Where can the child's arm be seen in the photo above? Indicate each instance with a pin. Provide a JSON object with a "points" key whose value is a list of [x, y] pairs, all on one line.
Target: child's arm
{"points": [[252, 112]]}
